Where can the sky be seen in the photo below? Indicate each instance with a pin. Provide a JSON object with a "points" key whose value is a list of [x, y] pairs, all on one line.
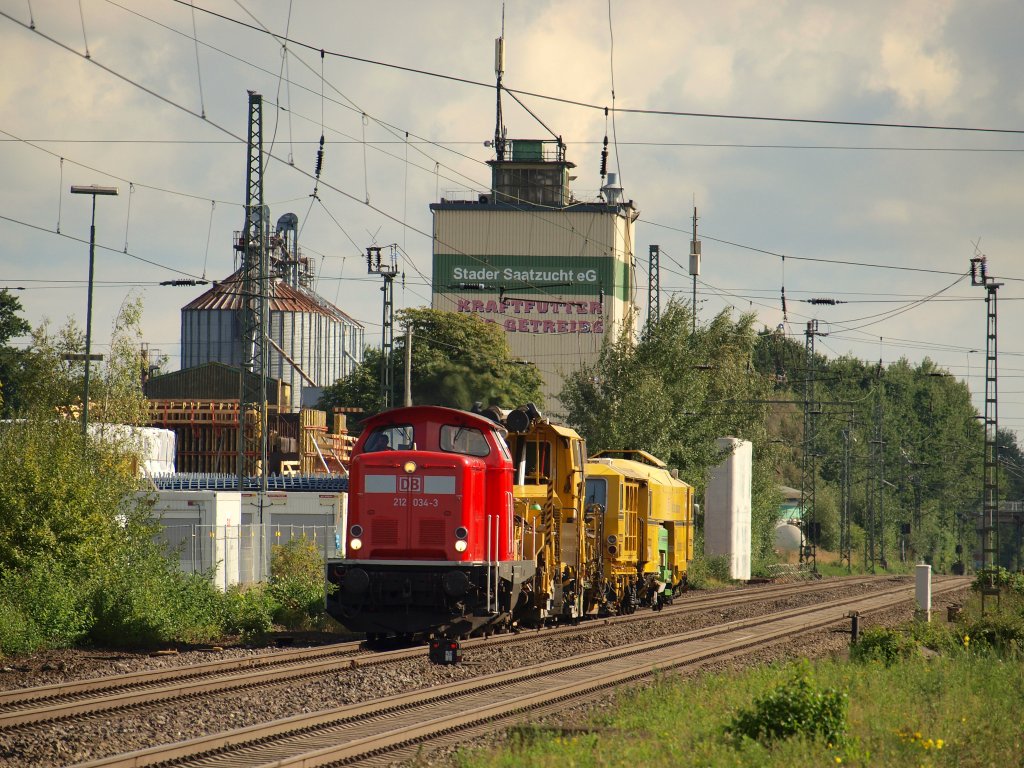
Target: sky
{"points": [[825, 147]]}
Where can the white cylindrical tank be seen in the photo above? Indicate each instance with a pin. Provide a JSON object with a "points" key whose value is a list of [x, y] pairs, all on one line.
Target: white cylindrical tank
{"points": [[787, 539]]}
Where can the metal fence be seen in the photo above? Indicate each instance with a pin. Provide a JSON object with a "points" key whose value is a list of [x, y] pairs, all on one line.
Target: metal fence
{"points": [[240, 554]]}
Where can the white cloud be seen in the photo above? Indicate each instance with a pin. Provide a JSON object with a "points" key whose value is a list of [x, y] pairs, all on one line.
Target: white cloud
{"points": [[913, 62]]}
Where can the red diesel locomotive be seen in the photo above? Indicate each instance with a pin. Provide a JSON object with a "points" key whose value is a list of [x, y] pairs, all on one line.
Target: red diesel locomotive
{"points": [[431, 543]]}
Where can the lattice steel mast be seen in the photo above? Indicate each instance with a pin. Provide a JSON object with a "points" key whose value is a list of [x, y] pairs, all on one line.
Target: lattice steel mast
{"points": [[845, 540], [876, 483], [989, 527], [808, 483], [252, 400], [653, 285]]}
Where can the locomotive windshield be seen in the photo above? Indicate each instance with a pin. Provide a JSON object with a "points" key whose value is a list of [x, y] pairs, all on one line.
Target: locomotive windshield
{"points": [[597, 491], [466, 440], [390, 438], [538, 462]]}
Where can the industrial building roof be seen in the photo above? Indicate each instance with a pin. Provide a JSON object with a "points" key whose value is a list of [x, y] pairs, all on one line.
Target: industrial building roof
{"points": [[227, 295], [210, 381]]}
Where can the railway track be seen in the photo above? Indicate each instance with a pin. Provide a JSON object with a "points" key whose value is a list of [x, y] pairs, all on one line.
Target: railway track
{"points": [[388, 729], [100, 696]]}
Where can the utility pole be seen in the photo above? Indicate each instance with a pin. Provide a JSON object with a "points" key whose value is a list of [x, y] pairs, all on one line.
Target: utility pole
{"points": [[694, 266], [90, 190], [989, 528], [388, 269], [408, 366]]}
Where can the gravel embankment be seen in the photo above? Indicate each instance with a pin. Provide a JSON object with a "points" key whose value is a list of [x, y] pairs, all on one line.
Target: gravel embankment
{"points": [[63, 744]]}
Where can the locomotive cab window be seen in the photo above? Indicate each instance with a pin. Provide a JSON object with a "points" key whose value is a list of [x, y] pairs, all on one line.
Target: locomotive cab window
{"points": [[466, 440], [503, 449], [538, 462], [390, 438], [597, 491]]}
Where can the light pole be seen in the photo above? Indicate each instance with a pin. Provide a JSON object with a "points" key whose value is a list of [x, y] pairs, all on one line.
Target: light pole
{"points": [[90, 190]]}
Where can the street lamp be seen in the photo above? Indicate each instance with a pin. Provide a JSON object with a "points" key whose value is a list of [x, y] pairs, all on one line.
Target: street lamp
{"points": [[90, 190]]}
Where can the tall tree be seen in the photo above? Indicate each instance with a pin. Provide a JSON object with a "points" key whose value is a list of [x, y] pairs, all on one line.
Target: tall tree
{"points": [[930, 446], [12, 359], [457, 360], [672, 393], [74, 533]]}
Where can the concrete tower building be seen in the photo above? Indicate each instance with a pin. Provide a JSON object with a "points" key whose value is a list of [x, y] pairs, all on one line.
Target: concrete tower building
{"points": [[557, 273]]}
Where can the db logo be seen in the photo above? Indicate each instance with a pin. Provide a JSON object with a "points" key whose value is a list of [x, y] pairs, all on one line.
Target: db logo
{"points": [[410, 484]]}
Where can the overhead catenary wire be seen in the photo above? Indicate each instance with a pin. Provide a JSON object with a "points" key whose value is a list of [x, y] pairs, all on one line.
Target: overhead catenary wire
{"points": [[209, 233], [99, 246], [447, 144], [627, 110], [611, 68], [822, 260], [128, 215], [60, 193], [199, 68], [881, 266], [119, 6], [810, 259], [85, 39]]}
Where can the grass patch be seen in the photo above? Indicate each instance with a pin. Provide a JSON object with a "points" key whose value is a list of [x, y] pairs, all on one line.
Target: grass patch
{"points": [[960, 709]]}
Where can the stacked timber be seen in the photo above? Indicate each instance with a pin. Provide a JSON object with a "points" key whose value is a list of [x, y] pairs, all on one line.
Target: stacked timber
{"points": [[207, 438]]}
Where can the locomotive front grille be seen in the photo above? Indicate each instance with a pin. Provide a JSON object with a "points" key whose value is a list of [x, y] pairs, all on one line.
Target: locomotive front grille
{"points": [[432, 533], [384, 532]]}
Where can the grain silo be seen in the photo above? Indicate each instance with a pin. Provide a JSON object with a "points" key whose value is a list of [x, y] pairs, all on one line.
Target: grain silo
{"points": [[312, 343]]}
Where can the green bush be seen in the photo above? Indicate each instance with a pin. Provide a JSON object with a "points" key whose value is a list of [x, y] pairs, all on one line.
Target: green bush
{"points": [[705, 570], [935, 636], [18, 633], [248, 610], [1001, 578], [152, 603], [297, 583], [884, 645], [53, 599], [796, 708], [999, 631]]}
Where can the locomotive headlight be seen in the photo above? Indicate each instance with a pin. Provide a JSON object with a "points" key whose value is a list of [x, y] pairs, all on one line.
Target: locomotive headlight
{"points": [[612, 539], [409, 467], [356, 544], [461, 532], [356, 531], [460, 545]]}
